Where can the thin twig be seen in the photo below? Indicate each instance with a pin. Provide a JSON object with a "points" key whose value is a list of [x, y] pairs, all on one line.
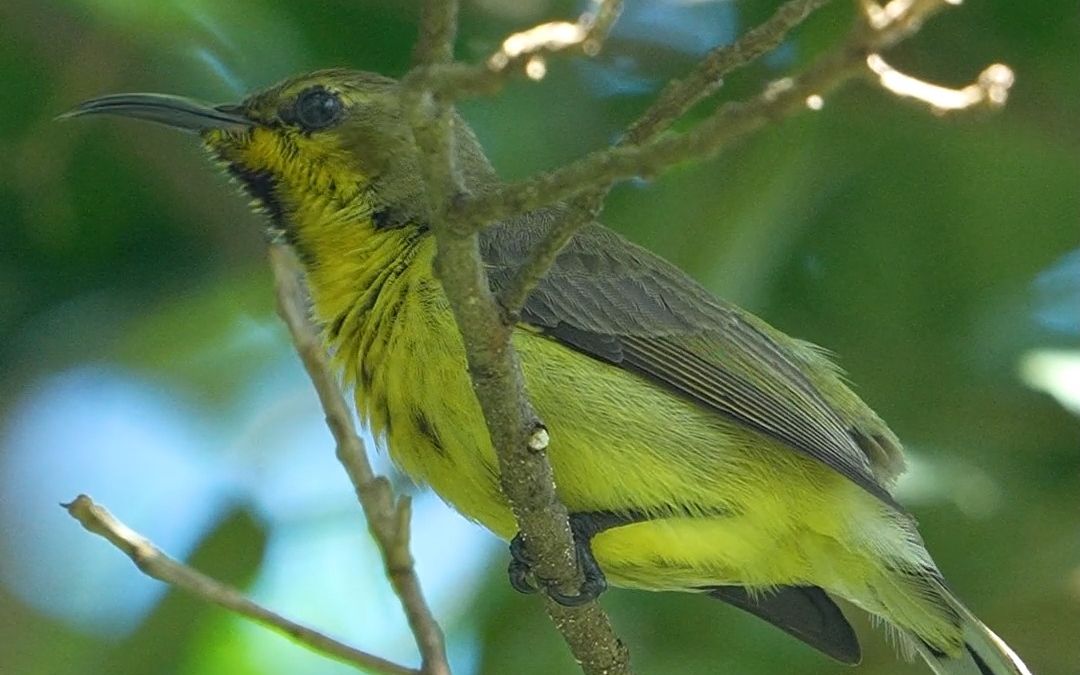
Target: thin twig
{"points": [[731, 122], [601, 21], [600, 168], [438, 30], [903, 17], [430, 112], [522, 52], [152, 562], [678, 97], [387, 516]]}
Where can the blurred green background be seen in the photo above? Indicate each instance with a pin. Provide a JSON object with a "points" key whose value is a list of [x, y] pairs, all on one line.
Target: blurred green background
{"points": [[938, 257]]}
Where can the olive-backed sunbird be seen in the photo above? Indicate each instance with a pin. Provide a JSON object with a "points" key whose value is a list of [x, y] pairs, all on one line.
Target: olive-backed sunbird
{"points": [[696, 447]]}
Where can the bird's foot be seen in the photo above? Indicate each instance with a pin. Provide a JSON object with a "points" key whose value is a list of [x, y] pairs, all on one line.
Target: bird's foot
{"points": [[520, 569], [524, 580]]}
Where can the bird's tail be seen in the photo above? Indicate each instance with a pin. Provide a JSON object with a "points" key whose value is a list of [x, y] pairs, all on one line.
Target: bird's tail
{"points": [[933, 623], [984, 653]]}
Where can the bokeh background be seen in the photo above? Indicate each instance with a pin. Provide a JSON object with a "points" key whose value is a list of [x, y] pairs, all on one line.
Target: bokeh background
{"points": [[141, 361]]}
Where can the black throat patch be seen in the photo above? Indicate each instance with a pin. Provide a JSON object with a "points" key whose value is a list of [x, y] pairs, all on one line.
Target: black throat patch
{"points": [[262, 186]]}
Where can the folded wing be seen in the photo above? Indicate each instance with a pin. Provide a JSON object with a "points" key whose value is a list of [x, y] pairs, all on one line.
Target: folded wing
{"points": [[619, 303]]}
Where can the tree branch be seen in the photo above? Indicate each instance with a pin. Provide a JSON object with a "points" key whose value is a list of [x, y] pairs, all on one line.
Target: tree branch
{"points": [[679, 96], [387, 517], [522, 52], [732, 121], [518, 435], [438, 30], [152, 562], [676, 99]]}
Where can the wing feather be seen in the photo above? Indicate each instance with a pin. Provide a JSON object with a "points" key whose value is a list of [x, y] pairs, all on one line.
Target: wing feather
{"points": [[805, 612], [619, 303]]}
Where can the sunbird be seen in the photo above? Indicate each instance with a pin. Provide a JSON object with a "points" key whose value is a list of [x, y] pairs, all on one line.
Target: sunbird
{"points": [[696, 447]]}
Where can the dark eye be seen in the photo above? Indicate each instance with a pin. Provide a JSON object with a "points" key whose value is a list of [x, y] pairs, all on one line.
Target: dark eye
{"points": [[317, 109]]}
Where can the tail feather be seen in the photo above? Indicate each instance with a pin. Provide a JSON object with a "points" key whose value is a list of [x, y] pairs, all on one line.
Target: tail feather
{"points": [[984, 652], [930, 621]]}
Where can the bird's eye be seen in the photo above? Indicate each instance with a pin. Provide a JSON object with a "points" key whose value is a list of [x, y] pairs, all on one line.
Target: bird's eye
{"points": [[317, 108]]}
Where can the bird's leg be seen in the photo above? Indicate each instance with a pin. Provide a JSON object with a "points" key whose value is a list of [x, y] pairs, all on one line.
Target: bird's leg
{"points": [[584, 526], [593, 581]]}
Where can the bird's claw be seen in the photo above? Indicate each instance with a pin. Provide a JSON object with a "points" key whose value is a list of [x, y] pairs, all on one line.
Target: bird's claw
{"points": [[524, 580], [520, 568], [591, 588]]}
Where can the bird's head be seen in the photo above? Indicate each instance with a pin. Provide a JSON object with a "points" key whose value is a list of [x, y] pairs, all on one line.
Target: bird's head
{"points": [[333, 135]]}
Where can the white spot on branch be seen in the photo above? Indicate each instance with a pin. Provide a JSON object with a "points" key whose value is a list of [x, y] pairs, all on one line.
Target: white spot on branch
{"points": [[539, 439]]}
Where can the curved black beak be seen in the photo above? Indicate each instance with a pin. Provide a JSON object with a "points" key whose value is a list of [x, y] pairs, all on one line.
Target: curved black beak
{"points": [[173, 111]]}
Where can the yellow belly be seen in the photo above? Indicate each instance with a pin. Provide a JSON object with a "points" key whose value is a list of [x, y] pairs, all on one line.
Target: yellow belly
{"points": [[730, 505]]}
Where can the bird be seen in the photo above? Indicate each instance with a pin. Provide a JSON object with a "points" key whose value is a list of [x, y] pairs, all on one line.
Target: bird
{"points": [[696, 448]]}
